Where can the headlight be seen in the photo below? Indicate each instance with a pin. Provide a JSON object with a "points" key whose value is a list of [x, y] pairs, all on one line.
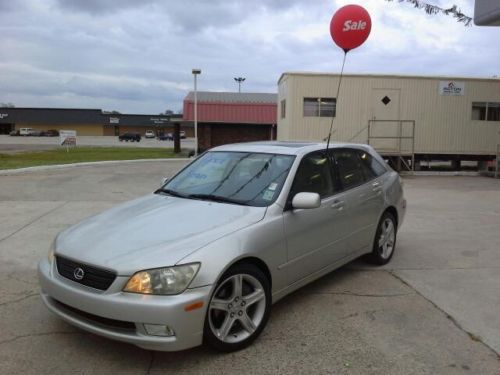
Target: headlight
{"points": [[170, 280]]}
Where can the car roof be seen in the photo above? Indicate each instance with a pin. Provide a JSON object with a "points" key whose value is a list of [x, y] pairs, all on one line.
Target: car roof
{"points": [[286, 147]]}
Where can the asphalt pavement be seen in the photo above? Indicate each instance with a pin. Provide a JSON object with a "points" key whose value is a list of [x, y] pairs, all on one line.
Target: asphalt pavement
{"points": [[432, 310]]}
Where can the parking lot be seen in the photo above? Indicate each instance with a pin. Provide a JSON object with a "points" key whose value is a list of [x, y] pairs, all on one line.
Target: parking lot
{"points": [[432, 310], [18, 144]]}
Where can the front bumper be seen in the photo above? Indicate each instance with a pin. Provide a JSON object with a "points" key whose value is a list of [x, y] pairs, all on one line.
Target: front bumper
{"points": [[120, 316]]}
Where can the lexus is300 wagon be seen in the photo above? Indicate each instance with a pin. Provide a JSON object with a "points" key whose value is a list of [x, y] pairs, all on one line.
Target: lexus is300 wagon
{"points": [[203, 258]]}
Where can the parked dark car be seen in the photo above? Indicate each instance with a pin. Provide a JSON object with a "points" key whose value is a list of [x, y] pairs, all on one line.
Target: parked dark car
{"points": [[49, 133], [132, 137], [166, 137]]}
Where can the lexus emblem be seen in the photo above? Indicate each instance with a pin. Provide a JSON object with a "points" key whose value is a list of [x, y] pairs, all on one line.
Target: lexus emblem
{"points": [[78, 273]]}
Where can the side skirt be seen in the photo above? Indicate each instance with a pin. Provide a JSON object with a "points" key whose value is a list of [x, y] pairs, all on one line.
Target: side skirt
{"points": [[316, 275]]}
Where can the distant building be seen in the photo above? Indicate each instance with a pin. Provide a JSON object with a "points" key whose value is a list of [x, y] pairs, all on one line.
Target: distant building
{"points": [[88, 121], [229, 117]]}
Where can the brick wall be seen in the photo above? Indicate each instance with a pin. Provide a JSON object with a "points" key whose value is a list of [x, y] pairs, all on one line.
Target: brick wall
{"points": [[212, 135]]}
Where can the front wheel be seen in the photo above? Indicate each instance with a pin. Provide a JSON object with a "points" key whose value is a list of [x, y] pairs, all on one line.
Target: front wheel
{"points": [[385, 240], [239, 308]]}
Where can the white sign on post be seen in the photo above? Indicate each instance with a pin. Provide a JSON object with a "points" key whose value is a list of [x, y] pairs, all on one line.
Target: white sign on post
{"points": [[451, 88], [67, 137]]}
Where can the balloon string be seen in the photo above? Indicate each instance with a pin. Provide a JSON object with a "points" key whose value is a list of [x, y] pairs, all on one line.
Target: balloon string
{"points": [[336, 100]]}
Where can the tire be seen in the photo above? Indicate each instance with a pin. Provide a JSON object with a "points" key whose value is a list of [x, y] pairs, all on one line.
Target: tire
{"points": [[384, 243], [234, 319]]}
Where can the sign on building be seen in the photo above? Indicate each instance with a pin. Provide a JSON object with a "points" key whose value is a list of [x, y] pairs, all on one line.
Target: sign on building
{"points": [[451, 88], [114, 120], [67, 137]]}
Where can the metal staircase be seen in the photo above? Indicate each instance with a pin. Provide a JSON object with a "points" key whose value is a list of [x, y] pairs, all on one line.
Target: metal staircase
{"points": [[394, 140]]}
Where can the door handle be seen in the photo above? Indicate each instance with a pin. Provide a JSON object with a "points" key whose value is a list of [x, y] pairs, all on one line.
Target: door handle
{"points": [[376, 187], [338, 205]]}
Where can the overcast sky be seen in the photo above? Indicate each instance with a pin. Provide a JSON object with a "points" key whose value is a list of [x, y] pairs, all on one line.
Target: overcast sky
{"points": [[136, 56]]}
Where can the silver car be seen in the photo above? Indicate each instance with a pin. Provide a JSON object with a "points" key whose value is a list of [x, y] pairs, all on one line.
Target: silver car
{"points": [[204, 257]]}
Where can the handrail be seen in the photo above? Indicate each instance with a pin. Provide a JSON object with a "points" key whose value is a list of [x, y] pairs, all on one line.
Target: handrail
{"points": [[399, 138], [358, 133]]}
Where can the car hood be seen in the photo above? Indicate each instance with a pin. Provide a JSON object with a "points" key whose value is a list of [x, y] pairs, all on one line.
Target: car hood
{"points": [[153, 231]]}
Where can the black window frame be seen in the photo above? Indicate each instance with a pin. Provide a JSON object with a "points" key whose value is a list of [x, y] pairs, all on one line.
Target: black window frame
{"points": [[283, 108], [486, 111], [329, 105]]}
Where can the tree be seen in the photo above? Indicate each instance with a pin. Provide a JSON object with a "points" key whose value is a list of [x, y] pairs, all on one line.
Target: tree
{"points": [[454, 11], [168, 112], [7, 105]]}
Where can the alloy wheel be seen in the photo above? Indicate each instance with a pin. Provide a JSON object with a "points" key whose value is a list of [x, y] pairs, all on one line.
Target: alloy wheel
{"points": [[387, 238], [237, 308]]}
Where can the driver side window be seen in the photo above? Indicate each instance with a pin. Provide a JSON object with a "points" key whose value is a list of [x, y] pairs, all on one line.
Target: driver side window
{"points": [[314, 175]]}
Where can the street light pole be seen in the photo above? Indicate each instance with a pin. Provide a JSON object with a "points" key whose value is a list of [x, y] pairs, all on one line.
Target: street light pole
{"points": [[239, 80], [195, 74]]}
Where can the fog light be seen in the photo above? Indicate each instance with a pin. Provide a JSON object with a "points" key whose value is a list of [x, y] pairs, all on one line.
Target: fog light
{"points": [[159, 330]]}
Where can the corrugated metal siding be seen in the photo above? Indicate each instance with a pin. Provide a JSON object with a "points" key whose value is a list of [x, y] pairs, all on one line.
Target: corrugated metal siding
{"points": [[443, 123], [243, 113]]}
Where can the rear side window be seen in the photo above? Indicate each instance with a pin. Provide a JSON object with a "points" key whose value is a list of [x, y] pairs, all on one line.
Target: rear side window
{"points": [[350, 170], [371, 165]]}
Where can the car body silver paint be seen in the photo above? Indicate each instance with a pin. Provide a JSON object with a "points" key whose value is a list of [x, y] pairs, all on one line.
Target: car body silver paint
{"points": [[159, 231]]}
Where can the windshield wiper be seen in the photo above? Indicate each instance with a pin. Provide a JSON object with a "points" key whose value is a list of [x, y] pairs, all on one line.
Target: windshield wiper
{"points": [[171, 192], [217, 198]]}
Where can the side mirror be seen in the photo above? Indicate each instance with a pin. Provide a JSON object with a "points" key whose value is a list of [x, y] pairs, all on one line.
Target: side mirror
{"points": [[164, 180], [306, 200]]}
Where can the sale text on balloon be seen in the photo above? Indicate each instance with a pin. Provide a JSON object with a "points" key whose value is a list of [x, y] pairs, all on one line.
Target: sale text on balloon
{"points": [[354, 25]]}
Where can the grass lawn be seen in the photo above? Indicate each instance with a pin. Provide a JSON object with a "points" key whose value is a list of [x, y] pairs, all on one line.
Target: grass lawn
{"points": [[82, 154]]}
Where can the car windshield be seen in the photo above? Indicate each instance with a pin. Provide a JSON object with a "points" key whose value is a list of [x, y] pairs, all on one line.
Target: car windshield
{"points": [[247, 178]]}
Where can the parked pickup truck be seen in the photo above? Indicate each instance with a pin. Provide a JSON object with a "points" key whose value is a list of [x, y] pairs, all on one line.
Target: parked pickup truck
{"points": [[132, 137], [26, 131]]}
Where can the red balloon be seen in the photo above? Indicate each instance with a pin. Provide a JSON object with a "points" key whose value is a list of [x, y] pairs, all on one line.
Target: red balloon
{"points": [[350, 26]]}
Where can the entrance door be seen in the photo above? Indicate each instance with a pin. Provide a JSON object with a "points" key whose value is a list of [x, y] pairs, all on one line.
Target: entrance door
{"points": [[385, 107]]}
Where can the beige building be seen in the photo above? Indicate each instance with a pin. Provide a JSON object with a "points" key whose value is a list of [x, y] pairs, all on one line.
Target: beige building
{"points": [[428, 118]]}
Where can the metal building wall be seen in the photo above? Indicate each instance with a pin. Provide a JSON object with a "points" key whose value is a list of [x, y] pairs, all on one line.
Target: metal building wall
{"points": [[443, 123], [241, 113]]}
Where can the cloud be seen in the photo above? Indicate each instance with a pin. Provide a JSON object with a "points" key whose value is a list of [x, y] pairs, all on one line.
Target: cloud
{"points": [[137, 56]]}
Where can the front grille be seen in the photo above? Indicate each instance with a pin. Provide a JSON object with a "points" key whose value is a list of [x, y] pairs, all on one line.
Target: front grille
{"points": [[99, 320], [93, 277]]}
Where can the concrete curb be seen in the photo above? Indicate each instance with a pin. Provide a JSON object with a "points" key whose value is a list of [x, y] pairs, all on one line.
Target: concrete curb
{"points": [[7, 172]]}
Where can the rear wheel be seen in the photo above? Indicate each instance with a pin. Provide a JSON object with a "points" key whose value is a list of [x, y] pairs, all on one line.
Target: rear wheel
{"points": [[385, 240], [239, 308]]}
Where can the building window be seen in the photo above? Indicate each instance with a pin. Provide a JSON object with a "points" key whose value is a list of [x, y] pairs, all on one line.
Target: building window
{"points": [[319, 107], [327, 107], [483, 111], [283, 108], [493, 112]]}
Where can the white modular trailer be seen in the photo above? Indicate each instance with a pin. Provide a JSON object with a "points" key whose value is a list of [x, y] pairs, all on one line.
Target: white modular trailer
{"points": [[454, 118]]}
